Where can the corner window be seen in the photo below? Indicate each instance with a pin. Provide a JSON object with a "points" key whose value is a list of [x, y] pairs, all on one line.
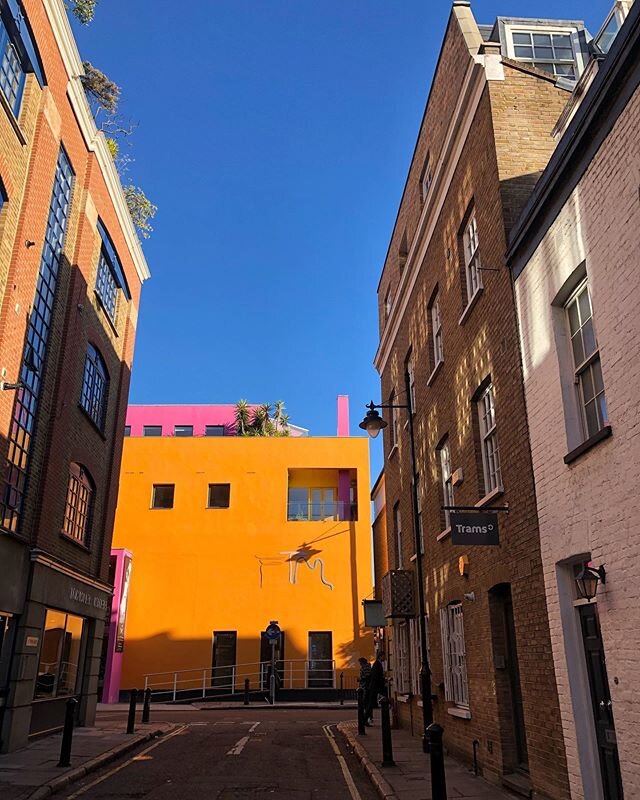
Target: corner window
{"points": [[426, 178], [183, 430], [77, 511], [95, 387], [447, 480], [60, 651], [219, 494], [397, 534], [456, 689], [586, 360], [152, 430], [547, 50], [489, 440], [470, 245], [436, 331], [214, 430], [163, 494]]}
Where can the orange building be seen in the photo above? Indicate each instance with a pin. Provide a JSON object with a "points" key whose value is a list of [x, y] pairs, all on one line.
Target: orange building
{"points": [[226, 534]]}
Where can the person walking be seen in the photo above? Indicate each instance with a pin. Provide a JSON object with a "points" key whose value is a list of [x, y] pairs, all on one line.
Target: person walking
{"points": [[365, 673], [375, 687]]}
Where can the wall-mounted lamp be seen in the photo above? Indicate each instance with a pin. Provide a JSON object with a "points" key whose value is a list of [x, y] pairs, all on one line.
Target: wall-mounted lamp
{"points": [[29, 243], [588, 580], [9, 386]]}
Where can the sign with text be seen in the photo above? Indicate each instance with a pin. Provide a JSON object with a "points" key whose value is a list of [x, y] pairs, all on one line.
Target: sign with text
{"points": [[474, 528]]}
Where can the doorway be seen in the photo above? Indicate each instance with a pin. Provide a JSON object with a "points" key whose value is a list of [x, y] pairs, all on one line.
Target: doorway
{"points": [[320, 674], [601, 701], [265, 660], [224, 659]]}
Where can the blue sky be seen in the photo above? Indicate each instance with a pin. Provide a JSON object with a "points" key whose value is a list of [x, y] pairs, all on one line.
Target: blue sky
{"points": [[275, 136]]}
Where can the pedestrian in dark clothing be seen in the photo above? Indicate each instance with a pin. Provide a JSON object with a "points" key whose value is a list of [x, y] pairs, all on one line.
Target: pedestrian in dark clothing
{"points": [[375, 687], [365, 673]]}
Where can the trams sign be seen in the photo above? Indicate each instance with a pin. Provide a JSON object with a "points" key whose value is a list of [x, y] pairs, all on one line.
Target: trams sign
{"points": [[474, 528]]}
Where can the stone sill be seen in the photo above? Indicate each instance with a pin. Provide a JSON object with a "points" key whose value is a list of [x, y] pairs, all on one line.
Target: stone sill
{"points": [[445, 533], [592, 441], [461, 713], [490, 497], [470, 305], [435, 371]]}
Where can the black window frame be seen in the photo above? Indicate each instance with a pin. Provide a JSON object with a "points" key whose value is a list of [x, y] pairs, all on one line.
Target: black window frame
{"points": [[226, 487], [154, 490]]}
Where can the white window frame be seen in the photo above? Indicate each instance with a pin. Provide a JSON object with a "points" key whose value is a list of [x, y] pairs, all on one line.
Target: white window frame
{"points": [[562, 30], [416, 658], [395, 422], [401, 658], [447, 480], [472, 267], [387, 304], [456, 684], [426, 179], [412, 385], [436, 331], [589, 366], [420, 528], [397, 533], [489, 441]]}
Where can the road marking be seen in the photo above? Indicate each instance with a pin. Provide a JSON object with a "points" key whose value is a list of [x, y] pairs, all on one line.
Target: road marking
{"points": [[353, 789], [238, 747], [253, 727], [126, 764]]}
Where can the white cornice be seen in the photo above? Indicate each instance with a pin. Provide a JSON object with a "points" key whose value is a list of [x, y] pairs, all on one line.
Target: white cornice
{"points": [[459, 127], [94, 139]]}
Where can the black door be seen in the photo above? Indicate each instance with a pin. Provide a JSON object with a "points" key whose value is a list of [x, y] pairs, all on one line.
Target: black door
{"points": [[513, 669], [320, 659], [224, 659], [265, 660], [601, 701]]}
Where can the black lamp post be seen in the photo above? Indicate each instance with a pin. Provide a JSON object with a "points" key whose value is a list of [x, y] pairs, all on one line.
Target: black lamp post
{"points": [[373, 424], [588, 580]]}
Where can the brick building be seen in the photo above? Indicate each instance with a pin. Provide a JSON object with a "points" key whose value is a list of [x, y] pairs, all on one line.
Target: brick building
{"points": [[448, 332], [71, 269], [574, 258]]}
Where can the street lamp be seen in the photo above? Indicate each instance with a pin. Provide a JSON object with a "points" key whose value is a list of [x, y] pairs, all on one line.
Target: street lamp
{"points": [[373, 424], [588, 581]]}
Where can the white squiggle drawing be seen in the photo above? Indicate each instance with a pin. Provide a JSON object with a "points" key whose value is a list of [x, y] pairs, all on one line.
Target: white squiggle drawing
{"points": [[296, 557]]}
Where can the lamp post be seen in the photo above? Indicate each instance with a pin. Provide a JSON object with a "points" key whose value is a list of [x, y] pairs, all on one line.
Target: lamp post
{"points": [[373, 424]]}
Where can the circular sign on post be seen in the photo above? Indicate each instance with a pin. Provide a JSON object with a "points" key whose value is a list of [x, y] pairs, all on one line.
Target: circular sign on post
{"points": [[273, 632]]}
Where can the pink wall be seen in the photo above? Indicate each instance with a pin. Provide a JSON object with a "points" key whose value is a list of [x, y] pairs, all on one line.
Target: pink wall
{"points": [[170, 416]]}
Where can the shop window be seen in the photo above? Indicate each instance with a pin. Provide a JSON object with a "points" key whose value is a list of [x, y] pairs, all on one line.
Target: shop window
{"points": [[59, 665]]}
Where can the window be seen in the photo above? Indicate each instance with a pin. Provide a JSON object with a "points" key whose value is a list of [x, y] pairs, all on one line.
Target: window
{"points": [[387, 304], [395, 421], [586, 359], [183, 430], [551, 52], [320, 668], [607, 35], [402, 658], [309, 504], [59, 655], [489, 441], [77, 511], [127, 430], [17, 55], [471, 258], [412, 384], [219, 495], [456, 688], [110, 275], [420, 529], [416, 655], [3, 195], [163, 495], [426, 179], [152, 430], [447, 480], [403, 251], [436, 331], [224, 659], [214, 430], [12, 75], [397, 533], [95, 387]]}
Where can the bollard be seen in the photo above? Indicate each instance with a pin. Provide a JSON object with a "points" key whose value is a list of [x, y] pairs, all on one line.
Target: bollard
{"points": [[246, 691], [146, 708], [342, 688], [438, 779], [131, 721], [362, 731], [67, 732], [385, 722], [476, 745]]}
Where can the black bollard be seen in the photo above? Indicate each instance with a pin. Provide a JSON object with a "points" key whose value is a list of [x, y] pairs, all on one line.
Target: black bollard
{"points": [[342, 688], [67, 732], [146, 708], [362, 731], [246, 691], [385, 722], [438, 778], [131, 721]]}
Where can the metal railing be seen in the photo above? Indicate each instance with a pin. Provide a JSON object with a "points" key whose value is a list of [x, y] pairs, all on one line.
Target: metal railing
{"points": [[230, 680]]}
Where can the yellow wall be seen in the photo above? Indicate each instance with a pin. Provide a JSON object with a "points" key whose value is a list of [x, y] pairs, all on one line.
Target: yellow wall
{"points": [[196, 570]]}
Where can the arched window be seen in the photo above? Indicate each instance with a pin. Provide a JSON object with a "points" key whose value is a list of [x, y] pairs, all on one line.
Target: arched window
{"points": [[95, 387], [77, 512]]}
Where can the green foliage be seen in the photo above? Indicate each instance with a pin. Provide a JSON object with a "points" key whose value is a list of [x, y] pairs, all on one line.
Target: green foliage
{"points": [[259, 421], [114, 147], [83, 10], [140, 208], [104, 93]]}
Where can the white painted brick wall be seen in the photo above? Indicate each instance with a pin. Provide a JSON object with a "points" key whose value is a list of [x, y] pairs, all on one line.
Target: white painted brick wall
{"points": [[593, 505]]}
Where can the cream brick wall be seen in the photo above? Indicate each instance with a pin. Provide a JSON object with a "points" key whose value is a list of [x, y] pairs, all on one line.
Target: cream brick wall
{"points": [[591, 505]]}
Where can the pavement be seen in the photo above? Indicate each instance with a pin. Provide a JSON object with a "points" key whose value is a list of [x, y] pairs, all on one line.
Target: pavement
{"points": [[410, 778]]}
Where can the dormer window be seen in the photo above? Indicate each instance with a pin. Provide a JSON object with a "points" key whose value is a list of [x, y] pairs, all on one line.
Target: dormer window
{"points": [[549, 50]]}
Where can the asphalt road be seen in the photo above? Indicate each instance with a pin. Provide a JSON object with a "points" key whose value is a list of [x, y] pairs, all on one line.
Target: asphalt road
{"points": [[229, 755]]}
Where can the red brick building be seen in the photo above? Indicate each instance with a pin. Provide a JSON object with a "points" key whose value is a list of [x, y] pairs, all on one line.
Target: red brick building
{"points": [[71, 270], [448, 329]]}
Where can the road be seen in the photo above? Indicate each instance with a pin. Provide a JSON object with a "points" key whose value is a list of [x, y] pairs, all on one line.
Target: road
{"points": [[236, 755]]}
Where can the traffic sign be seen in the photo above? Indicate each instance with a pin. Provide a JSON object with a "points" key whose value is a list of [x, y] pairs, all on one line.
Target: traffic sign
{"points": [[273, 631]]}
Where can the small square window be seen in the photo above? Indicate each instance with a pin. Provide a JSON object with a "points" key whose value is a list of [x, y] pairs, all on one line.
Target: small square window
{"points": [[127, 430], [163, 495], [152, 430], [214, 430], [183, 430], [219, 495]]}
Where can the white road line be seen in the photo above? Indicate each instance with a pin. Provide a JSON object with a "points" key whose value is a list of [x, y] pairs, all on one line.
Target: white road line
{"points": [[126, 764], [353, 789], [253, 727], [238, 747]]}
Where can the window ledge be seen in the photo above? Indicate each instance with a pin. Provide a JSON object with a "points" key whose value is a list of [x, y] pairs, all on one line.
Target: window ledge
{"points": [[470, 305], [434, 372], [402, 698], [445, 533], [592, 441], [68, 538], [160, 508], [12, 119], [461, 713], [488, 498], [392, 452], [413, 557]]}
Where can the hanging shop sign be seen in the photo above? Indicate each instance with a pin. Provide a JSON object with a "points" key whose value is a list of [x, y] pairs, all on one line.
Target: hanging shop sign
{"points": [[474, 528], [124, 601]]}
